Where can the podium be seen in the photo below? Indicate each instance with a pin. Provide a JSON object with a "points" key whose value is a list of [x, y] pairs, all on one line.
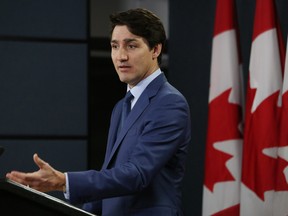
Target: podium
{"points": [[17, 199]]}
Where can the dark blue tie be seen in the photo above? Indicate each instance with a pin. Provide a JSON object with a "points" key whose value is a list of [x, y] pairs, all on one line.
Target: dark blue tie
{"points": [[126, 107]]}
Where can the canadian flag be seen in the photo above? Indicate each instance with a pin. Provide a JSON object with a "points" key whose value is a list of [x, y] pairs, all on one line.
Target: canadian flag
{"points": [[262, 114], [281, 187], [221, 190]]}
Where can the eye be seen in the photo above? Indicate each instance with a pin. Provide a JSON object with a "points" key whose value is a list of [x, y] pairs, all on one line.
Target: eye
{"points": [[114, 46], [131, 46]]}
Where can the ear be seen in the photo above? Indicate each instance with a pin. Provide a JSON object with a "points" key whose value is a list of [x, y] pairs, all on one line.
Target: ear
{"points": [[157, 50]]}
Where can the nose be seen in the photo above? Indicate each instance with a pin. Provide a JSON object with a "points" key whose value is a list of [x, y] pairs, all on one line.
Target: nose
{"points": [[122, 55]]}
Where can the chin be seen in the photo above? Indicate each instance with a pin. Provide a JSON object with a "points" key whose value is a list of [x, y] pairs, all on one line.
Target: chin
{"points": [[122, 79]]}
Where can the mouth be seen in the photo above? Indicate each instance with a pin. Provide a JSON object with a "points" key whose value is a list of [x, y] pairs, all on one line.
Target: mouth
{"points": [[123, 68]]}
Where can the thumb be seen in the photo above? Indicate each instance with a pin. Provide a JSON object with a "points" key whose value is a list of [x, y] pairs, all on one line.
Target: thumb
{"points": [[38, 161]]}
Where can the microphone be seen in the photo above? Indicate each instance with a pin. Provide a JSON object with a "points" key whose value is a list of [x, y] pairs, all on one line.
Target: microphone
{"points": [[1, 150]]}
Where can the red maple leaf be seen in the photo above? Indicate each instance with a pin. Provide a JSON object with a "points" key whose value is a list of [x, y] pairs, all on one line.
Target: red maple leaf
{"points": [[281, 183], [260, 132], [224, 119]]}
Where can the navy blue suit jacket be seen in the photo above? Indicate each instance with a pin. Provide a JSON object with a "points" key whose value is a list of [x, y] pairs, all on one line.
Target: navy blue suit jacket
{"points": [[145, 163]]}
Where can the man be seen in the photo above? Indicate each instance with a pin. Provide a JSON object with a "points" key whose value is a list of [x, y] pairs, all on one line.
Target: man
{"points": [[145, 157]]}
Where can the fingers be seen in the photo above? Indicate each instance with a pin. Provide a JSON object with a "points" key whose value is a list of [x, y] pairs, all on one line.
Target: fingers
{"points": [[40, 163], [27, 178], [19, 177], [42, 180]]}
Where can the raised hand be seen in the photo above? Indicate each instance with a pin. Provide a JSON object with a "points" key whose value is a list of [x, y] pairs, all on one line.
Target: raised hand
{"points": [[45, 179]]}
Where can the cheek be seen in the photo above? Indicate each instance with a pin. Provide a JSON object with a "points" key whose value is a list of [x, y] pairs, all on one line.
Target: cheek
{"points": [[112, 56], [141, 59]]}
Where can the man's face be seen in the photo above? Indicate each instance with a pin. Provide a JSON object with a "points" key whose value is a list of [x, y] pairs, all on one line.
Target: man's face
{"points": [[131, 56]]}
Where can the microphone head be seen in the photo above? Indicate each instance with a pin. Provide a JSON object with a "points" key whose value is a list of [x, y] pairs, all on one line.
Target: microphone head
{"points": [[1, 150]]}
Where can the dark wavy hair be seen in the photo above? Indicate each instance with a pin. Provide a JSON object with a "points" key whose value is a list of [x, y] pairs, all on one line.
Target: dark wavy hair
{"points": [[143, 23]]}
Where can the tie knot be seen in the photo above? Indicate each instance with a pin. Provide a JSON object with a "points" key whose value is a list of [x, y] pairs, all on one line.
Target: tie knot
{"points": [[128, 97]]}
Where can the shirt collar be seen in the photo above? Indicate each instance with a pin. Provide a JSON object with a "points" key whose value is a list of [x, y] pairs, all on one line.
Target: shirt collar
{"points": [[140, 87]]}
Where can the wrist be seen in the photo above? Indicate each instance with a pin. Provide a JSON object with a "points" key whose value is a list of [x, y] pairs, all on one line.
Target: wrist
{"points": [[61, 182]]}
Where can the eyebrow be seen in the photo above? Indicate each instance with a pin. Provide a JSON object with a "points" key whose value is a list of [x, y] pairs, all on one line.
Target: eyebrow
{"points": [[128, 40]]}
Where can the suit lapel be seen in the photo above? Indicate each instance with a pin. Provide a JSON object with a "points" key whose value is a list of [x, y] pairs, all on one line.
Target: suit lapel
{"points": [[137, 110]]}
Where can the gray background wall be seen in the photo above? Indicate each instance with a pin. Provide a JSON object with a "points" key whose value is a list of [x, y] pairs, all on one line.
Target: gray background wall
{"points": [[43, 84], [55, 65]]}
